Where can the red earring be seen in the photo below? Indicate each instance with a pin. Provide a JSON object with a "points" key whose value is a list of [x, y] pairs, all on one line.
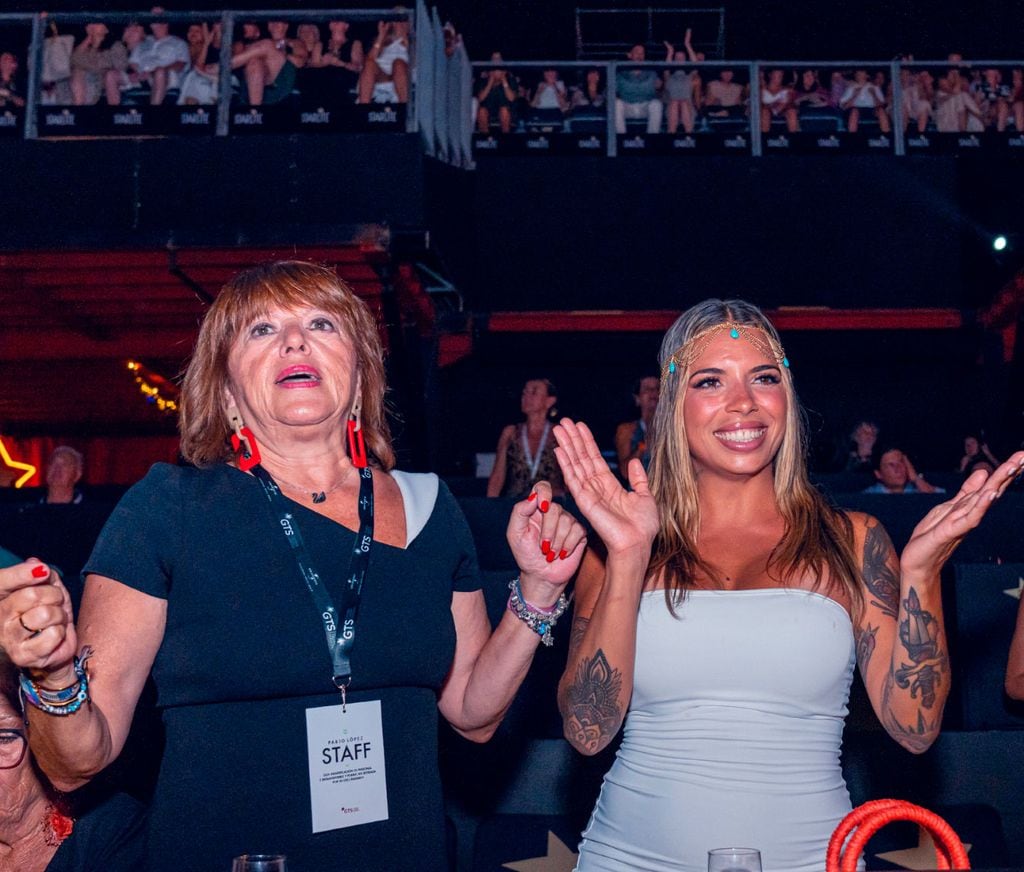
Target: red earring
{"points": [[356, 445], [247, 452]]}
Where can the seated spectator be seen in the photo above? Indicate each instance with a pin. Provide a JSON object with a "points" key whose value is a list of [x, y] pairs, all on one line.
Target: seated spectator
{"points": [[838, 82], [896, 475], [550, 100], [976, 450], [636, 94], [156, 64], [956, 110], [777, 102], [385, 74], [10, 86], [37, 829], [341, 60], [633, 437], [270, 66], [861, 455], [1017, 98], [682, 93], [97, 53], [724, 98], [863, 96], [131, 79], [995, 99], [526, 451], [496, 93], [810, 97], [199, 84], [63, 473], [587, 100], [918, 97]]}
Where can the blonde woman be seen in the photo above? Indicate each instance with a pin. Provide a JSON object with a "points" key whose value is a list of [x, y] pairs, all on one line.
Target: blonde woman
{"points": [[725, 621]]}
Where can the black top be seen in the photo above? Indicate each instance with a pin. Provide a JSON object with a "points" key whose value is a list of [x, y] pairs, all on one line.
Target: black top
{"points": [[108, 837], [244, 656]]}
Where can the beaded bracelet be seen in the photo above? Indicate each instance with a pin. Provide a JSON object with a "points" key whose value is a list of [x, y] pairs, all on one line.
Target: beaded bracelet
{"points": [[65, 701], [541, 621]]}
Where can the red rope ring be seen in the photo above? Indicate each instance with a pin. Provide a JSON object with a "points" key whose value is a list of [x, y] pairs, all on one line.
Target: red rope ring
{"points": [[870, 817]]}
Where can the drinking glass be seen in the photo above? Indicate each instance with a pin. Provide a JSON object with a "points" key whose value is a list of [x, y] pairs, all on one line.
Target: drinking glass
{"points": [[734, 860], [260, 863]]}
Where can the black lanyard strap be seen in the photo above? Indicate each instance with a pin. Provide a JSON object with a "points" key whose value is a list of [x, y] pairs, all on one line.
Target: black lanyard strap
{"points": [[340, 636]]}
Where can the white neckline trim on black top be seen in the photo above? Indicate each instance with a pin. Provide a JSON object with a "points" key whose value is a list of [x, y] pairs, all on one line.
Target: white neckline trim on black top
{"points": [[419, 495]]}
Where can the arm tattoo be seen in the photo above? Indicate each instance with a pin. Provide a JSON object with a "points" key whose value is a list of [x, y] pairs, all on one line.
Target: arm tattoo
{"points": [[866, 647], [919, 634], [592, 703], [879, 577], [579, 630], [914, 737]]}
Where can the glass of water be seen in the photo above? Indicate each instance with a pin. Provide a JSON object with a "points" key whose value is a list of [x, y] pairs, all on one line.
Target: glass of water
{"points": [[259, 863], [734, 860]]}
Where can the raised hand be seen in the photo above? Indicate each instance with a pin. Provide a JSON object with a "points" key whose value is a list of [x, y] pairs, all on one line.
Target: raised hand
{"points": [[626, 521], [945, 526], [37, 627], [547, 543]]}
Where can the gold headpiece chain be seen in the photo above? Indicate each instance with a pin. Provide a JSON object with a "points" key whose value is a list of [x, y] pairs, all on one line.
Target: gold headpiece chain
{"points": [[691, 349]]}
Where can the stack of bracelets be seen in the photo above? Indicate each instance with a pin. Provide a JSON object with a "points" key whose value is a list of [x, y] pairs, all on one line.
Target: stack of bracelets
{"points": [[62, 702], [541, 621]]}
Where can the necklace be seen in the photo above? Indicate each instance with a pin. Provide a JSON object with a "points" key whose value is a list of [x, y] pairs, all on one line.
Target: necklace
{"points": [[317, 496]]}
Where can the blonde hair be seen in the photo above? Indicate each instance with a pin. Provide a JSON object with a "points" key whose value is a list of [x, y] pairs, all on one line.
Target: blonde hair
{"points": [[287, 284], [817, 537]]}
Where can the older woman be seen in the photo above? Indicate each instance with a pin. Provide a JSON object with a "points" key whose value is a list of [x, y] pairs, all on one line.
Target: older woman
{"points": [[224, 581], [732, 644], [526, 451], [37, 830]]}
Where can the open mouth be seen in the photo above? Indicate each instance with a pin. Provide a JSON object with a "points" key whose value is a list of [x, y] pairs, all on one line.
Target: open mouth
{"points": [[298, 376], [741, 437]]}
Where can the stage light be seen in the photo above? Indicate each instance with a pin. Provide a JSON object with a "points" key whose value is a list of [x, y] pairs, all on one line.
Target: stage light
{"points": [[999, 243]]}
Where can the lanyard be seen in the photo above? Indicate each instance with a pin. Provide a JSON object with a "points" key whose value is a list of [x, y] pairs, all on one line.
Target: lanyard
{"points": [[533, 461], [338, 643]]}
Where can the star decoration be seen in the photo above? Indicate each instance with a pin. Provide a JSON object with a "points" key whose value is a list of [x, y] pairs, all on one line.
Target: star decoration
{"points": [[921, 857], [1015, 592], [28, 470], [559, 858]]}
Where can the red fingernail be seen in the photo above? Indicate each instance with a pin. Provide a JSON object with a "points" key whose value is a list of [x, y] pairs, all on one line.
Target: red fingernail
{"points": [[545, 546], [551, 557], [40, 571], [532, 496], [563, 554], [544, 505]]}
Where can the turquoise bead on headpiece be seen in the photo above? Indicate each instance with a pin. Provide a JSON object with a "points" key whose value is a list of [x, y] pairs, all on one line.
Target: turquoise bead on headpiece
{"points": [[755, 335]]}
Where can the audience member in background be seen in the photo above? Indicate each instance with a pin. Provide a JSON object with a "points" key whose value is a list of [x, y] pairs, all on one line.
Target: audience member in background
{"points": [[632, 439], [918, 97], [995, 99], [165, 61], [1014, 683], [777, 102], [863, 96], [37, 829], [861, 454], [131, 78], [636, 94], [550, 100], [724, 98], [810, 97], [722, 627], [896, 475], [496, 93], [956, 110], [975, 450], [587, 100], [63, 473], [10, 86], [341, 59], [199, 84], [384, 77], [270, 65], [1017, 99], [681, 91], [97, 53], [526, 452]]}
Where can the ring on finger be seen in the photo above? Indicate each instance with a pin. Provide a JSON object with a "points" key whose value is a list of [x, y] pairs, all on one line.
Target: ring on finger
{"points": [[31, 633]]}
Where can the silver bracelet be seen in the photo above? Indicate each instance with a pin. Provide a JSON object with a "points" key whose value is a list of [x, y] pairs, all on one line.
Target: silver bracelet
{"points": [[538, 620]]}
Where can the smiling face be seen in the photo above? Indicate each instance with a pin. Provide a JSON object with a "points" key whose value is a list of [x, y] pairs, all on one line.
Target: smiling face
{"points": [[292, 368], [733, 409]]}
